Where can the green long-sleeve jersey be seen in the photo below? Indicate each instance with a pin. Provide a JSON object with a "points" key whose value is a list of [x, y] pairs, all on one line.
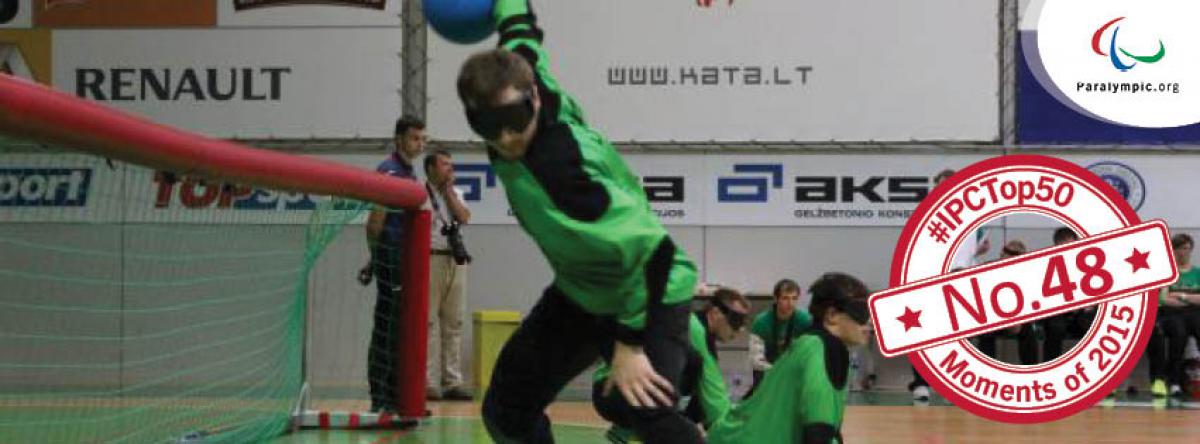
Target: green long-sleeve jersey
{"points": [[582, 205], [776, 334], [704, 378], [1189, 282], [802, 399]]}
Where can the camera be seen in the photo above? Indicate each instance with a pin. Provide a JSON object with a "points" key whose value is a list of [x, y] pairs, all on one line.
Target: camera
{"points": [[458, 250]]}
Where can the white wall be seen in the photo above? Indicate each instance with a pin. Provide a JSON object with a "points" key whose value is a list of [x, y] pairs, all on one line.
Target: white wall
{"points": [[509, 274]]}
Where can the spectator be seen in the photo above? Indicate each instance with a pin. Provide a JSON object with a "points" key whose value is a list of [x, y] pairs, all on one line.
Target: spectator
{"points": [[1069, 325], [1179, 316], [385, 240], [772, 331], [447, 276], [1025, 334], [965, 257], [968, 255]]}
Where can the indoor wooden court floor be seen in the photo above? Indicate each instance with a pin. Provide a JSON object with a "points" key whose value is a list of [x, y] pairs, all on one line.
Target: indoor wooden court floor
{"points": [[575, 422]]}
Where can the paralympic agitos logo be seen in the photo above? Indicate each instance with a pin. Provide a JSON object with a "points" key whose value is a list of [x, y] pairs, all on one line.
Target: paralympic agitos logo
{"points": [[1113, 48], [1109, 60]]}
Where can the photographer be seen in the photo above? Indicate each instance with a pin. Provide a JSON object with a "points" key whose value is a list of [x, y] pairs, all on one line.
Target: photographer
{"points": [[447, 273]]}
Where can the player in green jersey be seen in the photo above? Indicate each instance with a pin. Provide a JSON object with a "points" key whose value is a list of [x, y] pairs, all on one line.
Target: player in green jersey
{"points": [[1178, 316], [802, 397], [621, 288], [773, 330]]}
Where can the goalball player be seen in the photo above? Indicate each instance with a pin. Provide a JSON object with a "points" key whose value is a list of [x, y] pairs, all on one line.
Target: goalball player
{"points": [[621, 287], [802, 398]]}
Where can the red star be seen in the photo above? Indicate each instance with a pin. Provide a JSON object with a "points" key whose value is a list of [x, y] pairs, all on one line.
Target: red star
{"points": [[1138, 260], [910, 318]]}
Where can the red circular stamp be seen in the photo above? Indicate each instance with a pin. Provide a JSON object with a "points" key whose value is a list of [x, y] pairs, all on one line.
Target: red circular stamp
{"points": [[1114, 270]]}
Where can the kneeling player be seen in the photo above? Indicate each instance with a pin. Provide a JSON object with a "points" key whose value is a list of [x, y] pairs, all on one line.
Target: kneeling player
{"points": [[719, 321], [802, 398]]}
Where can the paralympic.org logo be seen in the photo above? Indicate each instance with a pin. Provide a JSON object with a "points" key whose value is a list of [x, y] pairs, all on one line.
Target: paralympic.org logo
{"points": [[1113, 49], [1113, 52], [1110, 61]]}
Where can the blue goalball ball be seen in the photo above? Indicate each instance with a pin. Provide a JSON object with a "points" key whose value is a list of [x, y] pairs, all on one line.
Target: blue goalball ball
{"points": [[460, 21]]}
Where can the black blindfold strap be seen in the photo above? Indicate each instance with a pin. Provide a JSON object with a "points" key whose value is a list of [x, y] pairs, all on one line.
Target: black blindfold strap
{"points": [[736, 319], [856, 309]]}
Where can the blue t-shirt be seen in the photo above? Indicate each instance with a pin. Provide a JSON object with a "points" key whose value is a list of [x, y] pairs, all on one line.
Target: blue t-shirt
{"points": [[393, 223]]}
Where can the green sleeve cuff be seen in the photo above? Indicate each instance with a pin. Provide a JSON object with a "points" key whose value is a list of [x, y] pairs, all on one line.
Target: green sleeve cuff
{"points": [[509, 8]]}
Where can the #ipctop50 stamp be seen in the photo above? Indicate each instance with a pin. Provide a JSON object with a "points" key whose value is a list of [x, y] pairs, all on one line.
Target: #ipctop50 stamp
{"points": [[1115, 268]]}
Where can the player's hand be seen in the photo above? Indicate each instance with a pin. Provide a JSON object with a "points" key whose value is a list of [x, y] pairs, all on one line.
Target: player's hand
{"points": [[365, 275], [1175, 300], [448, 187], [633, 375]]}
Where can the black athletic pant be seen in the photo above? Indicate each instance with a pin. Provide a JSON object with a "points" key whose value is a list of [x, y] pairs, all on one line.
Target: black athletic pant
{"points": [[381, 357], [918, 380], [668, 353], [1156, 350], [1178, 325], [559, 340], [1027, 346], [1069, 325]]}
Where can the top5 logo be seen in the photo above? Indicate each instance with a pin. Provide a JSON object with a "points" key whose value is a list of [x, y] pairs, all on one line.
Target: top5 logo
{"points": [[1113, 49]]}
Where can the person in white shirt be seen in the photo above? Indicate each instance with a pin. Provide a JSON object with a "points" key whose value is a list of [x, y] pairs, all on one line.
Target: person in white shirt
{"points": [[965, 257], [447, 280]]}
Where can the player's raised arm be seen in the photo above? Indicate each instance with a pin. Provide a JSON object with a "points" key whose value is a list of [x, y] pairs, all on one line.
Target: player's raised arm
{"points": [[520, 33]]}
